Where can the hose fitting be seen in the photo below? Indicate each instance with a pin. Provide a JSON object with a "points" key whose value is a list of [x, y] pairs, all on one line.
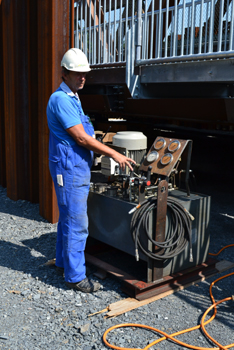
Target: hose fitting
{"points": [[191, 255], [134, 209], [136, 255], [189, 214]]}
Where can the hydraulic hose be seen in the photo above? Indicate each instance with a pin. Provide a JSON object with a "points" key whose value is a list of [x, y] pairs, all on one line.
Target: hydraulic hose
{"points": [[180, 235], [165, 336]]}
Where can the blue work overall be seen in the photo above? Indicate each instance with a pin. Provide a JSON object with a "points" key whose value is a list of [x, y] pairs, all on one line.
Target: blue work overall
{"points": [[70, 170]]}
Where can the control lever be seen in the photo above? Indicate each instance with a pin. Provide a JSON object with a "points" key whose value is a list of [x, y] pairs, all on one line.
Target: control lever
{"points": [[148, 177], [102, 137]]}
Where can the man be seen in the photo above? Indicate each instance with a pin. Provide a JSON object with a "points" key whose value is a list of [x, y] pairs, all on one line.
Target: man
{"points": [[71, 148]]}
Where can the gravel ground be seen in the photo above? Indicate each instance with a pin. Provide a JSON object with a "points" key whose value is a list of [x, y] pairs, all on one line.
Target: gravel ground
{"points": [[39, 312]]}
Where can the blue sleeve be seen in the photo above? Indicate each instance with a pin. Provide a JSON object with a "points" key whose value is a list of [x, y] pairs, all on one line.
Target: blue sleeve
{"points": [[67, 113]]}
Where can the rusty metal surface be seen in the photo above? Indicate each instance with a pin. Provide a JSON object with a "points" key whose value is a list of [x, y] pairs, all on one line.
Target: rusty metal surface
{"points": [[160, 226], [53, 42], [19, 43], [33, 39], [32, 101], [2, 123], [157, 167], [180, 280], [179, 109], [72, 24], [106, 76], [14, 17], [141, 290]]}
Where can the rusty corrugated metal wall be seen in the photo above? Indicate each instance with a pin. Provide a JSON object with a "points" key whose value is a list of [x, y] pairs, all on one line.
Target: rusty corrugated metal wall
{"points": [[2, 125], [33, 38]]}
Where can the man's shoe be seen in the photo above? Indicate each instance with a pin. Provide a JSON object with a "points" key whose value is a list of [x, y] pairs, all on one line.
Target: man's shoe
{"points": [[85, 286]]}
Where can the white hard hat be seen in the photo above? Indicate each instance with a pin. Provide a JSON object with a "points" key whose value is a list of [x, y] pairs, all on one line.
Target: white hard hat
{"points": [[75, 60]]}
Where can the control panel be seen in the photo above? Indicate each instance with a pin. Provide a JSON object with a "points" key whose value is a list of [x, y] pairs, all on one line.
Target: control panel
{"points": [[163, 155]]}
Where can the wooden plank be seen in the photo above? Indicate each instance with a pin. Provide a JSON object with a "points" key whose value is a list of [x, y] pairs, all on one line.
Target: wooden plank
{"points": [[128, 304]]}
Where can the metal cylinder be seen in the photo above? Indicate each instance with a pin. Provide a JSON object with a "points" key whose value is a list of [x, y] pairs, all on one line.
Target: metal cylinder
{"points": [[131, 140]]}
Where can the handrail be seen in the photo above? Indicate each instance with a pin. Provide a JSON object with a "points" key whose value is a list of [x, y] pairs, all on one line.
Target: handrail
{"points": [[182, 30], [187, 58]]}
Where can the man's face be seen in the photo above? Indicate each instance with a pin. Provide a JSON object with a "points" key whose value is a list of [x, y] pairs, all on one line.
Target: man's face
{"points": [[75, 80]]}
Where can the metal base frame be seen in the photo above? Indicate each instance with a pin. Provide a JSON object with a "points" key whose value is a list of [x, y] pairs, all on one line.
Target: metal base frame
{"points": [[141, 290]]}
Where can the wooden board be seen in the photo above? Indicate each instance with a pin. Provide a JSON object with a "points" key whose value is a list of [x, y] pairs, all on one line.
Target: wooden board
{"points": [[129, 304]]}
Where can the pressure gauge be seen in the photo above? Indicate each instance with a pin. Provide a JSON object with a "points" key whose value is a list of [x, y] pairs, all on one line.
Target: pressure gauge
{"points": [[166, 159], [174, 146], [159, 144], [152, 157]]}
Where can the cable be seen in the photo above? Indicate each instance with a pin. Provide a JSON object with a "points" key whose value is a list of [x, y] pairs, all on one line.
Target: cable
{"points": [[180, 233], [171, 337], [227, 246]]}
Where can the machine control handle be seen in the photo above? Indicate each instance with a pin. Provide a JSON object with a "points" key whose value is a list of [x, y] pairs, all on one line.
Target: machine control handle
{"points": [[148, 181], [145, 182], [136, 181]]}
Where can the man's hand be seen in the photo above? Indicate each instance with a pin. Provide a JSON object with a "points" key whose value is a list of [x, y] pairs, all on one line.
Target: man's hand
{"points": [[123, 161]]}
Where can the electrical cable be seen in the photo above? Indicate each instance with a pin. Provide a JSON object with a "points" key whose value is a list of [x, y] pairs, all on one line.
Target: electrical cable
{"points": [[180, 234], [227, 246], [171, 337]]}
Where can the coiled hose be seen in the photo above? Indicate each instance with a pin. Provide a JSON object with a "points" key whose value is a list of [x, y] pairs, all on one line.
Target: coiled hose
{"points": [[180, 236]]}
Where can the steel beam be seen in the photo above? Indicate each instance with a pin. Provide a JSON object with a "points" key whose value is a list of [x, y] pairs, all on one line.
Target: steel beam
{"points": [[213, 71], [53, 42], [141, 290], [2, 123], [32, 100], [15, 60]]}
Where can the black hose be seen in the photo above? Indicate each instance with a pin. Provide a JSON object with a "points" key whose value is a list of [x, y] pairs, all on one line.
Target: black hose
{"points": [[179, 238]]}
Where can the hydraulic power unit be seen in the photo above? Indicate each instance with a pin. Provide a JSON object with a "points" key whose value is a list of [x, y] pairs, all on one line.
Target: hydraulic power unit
{"points": [[144, 213]]}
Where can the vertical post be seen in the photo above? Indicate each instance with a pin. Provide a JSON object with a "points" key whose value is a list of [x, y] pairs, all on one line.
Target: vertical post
{"points": [[192, 31], [211, 27], [139, 30], [183, 28], [159, 28], [2, 113], [53, 42], [160, 225], [201, 29], [20, 106], [72, 12], [166, 29], [220, 30], [231, 38], [155, 267], [32, 101], [188, 167]]}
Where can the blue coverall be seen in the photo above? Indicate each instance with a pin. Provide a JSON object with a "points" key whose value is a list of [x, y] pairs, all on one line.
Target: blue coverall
{"points": [[70, 170]]}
